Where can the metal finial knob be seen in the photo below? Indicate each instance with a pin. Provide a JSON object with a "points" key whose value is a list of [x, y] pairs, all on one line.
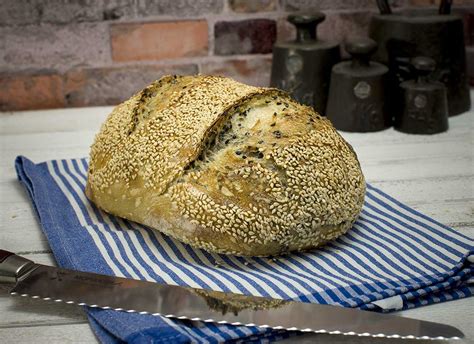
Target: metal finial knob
{"points": [[306, 25], [361, 49], [423, 65]]}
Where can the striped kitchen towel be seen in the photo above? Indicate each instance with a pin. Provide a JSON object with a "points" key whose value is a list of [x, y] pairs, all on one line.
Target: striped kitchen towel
{"points": [[393, 258]]}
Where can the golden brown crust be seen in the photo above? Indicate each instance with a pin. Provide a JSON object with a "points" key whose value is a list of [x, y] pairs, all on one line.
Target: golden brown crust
{"points": [[234, 303], [226, 167]]}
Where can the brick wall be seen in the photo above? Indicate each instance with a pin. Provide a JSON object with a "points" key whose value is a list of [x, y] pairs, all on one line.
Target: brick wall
{"points": [[60, 53]]}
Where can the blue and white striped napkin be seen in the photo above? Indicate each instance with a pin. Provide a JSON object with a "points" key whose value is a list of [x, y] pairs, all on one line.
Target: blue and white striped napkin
{"points": [[393, 258]]}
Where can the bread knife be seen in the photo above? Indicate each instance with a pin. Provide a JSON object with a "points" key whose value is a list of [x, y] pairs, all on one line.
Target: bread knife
{"points": [[25, 278]]}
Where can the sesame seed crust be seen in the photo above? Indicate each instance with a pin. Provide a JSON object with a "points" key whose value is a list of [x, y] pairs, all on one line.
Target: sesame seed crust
{"points": [[226, 167], [234, 303]]}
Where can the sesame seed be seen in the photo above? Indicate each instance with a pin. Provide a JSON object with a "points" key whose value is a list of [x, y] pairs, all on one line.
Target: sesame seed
{"points": [[308, 189]]}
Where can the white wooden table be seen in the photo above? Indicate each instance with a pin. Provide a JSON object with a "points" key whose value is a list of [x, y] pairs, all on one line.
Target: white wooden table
{"points": [[433, 174]]}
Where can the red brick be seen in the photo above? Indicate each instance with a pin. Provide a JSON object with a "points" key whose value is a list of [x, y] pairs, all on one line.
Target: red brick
{"points": [[110, 86], [24, 12], [251, 6], [178, 8], [158, 41], [254, 71], [253, 36], [423, 2], [18, 12], [456, 3], [54, 47], [69, 11], [323, 5], [119, 9], [27, 92], [285, 30]]}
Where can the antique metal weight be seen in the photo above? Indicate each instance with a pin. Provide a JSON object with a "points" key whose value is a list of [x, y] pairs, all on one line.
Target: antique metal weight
{"points": [[357, 91], [303, 66], [412, 33], [424, 109]]}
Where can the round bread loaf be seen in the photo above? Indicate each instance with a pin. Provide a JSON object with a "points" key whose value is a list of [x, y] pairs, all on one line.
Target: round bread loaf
{"points": [[226, 167]]}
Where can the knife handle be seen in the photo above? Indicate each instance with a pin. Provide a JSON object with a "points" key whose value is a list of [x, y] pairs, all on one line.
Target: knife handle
{"points": [[13, 267], [4, 255]]}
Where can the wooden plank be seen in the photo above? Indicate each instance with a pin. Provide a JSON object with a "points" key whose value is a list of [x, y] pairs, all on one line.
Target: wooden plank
{"points": [[454, 166], [80, 333], [462, 125], [426, 162], [70, 333], [71, 119], [53, 121], [392, 137], [41, 147], [406, 152], [459, 213], [430, 189], [25, 311], [353, 139], [41, 141], [404, 149]]}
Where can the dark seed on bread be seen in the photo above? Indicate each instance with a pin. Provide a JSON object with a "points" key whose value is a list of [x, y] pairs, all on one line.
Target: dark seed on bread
{"points": [[172, 158]]}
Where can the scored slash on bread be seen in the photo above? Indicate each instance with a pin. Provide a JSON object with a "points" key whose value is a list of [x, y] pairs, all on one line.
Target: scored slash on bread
{"points": [[226, 167]]}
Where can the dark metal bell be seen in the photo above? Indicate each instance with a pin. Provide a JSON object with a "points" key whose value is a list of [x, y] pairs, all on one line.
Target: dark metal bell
{"points": [[424, 109], [303, 66], [357, 91], [412, 33]]}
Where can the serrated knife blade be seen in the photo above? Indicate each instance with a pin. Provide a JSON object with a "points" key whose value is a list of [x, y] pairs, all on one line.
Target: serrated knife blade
{"points": [[122, 294]]}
